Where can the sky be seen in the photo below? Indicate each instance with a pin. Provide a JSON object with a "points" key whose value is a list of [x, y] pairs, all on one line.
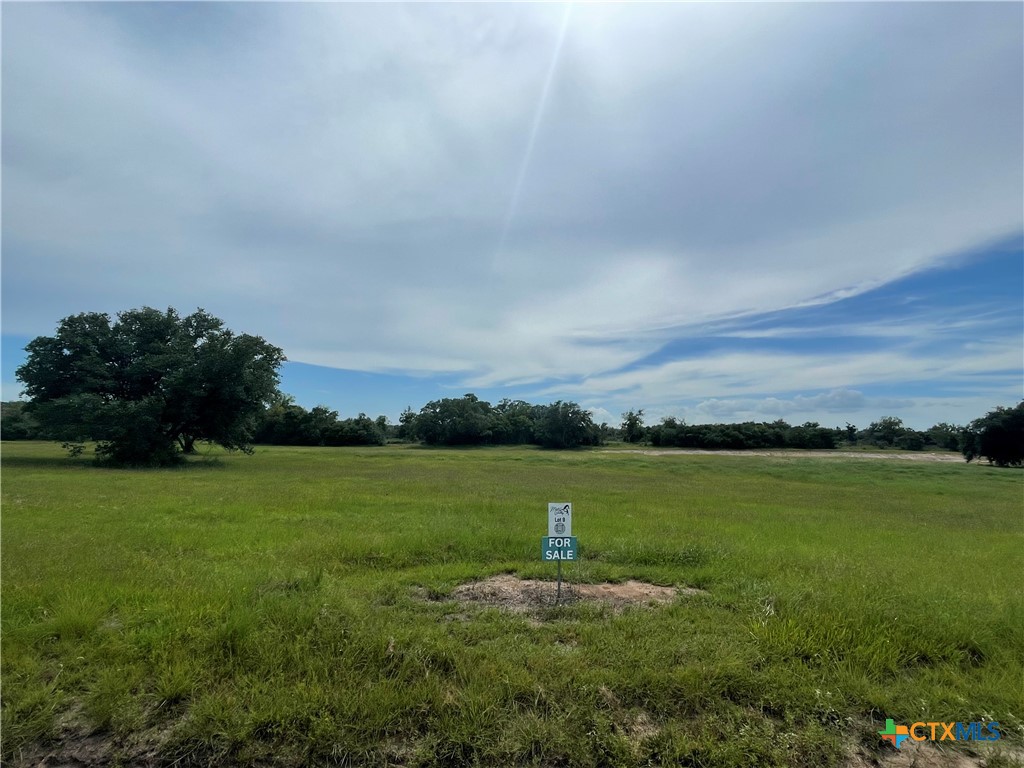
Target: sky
{"points": [[717, 212]]}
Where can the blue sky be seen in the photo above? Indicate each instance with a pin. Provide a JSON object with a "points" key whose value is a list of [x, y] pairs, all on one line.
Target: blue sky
{"points": [[715, 212]]}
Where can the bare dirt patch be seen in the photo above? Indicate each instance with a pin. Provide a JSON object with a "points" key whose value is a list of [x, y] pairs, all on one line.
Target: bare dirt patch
{"points": [[76, 752], [928, 755], [532, 595], [887, 455], [77, 745]]}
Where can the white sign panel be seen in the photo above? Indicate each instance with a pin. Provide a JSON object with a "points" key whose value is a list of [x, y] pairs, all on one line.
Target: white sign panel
{"points": [[559, 518]]}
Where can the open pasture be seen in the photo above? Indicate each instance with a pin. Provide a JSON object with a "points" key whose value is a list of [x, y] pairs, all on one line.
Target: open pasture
{"points": [[293, 608]]}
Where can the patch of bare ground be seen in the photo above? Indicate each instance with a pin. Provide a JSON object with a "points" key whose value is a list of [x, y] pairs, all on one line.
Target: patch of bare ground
{"points": [[532, 595], [73, 752], [890, 455], [924, 754], [76, 745]]}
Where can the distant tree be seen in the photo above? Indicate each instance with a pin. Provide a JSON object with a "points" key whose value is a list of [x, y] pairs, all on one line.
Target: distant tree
{"points": [[665, 434], [810, 435], [147, 386], [633, 426], [362, 430], [885, 432], [850, 433], [318, 425], [566, 425], [945, 436], [513, 422], [407, 424], [17, 424], [911, 440], [283, 423], [998, 436], [455, 421]]}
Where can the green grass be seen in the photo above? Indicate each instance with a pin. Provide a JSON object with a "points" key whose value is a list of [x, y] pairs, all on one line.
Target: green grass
{"points": [[270, 607]]}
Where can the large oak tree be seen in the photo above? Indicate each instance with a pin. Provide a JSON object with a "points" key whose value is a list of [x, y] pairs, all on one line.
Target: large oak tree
{"points": [[150, 384]]}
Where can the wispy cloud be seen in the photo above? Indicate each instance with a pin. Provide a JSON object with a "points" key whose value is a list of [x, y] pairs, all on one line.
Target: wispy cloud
{"points": [[754, 372]]}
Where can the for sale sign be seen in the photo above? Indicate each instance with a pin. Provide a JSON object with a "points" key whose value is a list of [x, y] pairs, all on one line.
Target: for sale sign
{"points": [[558, 548]]}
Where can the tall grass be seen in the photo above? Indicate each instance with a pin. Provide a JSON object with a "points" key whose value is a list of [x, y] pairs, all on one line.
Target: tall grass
{"points": [[272, 607]]}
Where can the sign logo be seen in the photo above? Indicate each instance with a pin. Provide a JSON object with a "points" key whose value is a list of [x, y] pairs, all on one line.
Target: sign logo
{"points": [[559, 518], [933, 731], [894, 734]]}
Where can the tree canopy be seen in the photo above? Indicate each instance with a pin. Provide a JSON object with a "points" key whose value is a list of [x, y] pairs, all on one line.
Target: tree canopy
{"points": [[150, 384], [468, 420], [777, 434], [632, 428], [286, 423], [997, 436]]}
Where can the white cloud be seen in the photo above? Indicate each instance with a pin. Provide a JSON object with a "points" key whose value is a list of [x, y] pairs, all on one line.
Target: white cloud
{"points": [[715, 377], [337, 178]]}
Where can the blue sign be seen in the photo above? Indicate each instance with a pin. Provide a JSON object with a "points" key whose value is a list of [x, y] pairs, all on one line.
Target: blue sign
{"points": [[558, 548]]}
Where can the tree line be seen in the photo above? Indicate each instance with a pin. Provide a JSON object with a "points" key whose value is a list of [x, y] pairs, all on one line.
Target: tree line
{"points": [[145, 386], [469, 421], [888, 432], [285, 423], [460, 421]]}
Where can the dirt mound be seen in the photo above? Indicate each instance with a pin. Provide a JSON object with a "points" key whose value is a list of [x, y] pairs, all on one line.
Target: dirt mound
{"points": [[528, 595], [930, 755]]}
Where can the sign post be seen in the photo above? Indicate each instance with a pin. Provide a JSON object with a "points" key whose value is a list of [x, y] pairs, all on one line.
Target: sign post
{"points": [[559, 544]]}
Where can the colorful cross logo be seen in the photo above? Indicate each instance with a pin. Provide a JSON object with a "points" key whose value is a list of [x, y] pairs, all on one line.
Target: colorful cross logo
{"points": [[896, 734]]}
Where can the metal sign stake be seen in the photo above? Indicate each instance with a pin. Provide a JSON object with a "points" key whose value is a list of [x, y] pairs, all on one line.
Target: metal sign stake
{"points": [[558, 594]]}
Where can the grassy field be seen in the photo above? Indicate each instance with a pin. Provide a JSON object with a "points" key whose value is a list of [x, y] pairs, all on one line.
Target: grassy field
{"points": [[289, 607]]}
